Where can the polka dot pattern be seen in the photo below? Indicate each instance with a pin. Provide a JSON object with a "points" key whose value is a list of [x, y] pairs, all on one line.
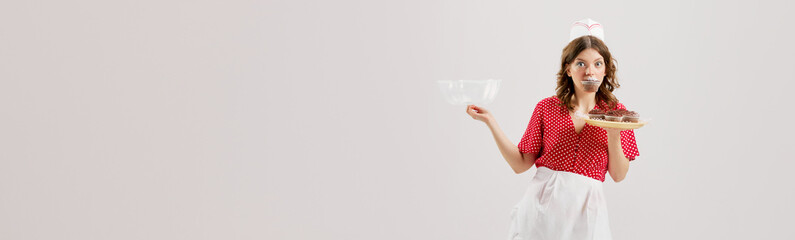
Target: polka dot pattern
{"points": [[551, 136]]}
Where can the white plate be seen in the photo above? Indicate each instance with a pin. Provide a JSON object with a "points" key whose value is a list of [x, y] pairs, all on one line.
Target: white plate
{"points": [[619, 125]]}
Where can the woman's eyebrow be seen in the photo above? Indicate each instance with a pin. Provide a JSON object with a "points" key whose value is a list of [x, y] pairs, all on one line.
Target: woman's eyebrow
{"points": [[586, 61]]}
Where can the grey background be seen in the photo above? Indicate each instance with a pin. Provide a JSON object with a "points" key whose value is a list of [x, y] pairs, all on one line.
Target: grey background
{"points": [[321, 119]]}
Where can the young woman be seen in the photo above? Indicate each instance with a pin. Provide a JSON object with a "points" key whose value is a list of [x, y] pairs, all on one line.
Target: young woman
{"points": [[565, 199]]}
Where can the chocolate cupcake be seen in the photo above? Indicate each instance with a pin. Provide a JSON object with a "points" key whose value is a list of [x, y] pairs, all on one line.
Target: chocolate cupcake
{"points": [[596, 114], [591, 86], [613, 116], [631, 116], [622, 111]]}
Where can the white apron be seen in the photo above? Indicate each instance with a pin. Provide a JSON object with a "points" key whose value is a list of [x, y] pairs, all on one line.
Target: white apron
{"points": [[560, 206]]}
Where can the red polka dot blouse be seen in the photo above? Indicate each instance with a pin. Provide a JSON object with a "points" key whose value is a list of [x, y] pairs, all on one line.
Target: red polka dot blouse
{"points": [[551, 136]]}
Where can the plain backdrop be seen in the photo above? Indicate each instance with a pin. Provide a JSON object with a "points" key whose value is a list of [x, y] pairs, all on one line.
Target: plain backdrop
{"points": [[322, 119]]}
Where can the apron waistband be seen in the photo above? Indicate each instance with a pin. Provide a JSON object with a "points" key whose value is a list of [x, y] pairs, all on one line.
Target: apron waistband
{"points": [[546, 173]]}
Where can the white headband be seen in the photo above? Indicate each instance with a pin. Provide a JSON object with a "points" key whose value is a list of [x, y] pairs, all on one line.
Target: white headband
{"points": [[586, 27]]}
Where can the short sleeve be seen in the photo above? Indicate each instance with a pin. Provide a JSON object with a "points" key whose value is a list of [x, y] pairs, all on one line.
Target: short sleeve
{"points": [[628, 141], [532, 141]]}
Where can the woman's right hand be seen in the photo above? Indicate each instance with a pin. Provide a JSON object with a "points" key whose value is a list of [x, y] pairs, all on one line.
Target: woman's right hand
{"points": [[480, 114]]}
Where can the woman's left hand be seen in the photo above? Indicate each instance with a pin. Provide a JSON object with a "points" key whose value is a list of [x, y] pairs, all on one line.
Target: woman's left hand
{"points": [[618, 164], [613, 131]]}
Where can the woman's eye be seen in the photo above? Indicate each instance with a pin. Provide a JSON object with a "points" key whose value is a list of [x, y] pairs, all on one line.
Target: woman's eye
{"points": [[581, 64], [598, 64]]}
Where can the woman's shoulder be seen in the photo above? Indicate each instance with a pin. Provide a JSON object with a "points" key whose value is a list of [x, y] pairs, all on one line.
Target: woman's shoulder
{"points": [[620, 106], [548, 104], [605, 106], [549, 101]]}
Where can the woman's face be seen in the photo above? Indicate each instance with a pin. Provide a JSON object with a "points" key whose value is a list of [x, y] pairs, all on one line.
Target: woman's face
{"points": [[588, 65]]}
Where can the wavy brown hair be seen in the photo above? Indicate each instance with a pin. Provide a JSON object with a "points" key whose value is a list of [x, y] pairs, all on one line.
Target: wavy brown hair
{"points": [[565, 89]]}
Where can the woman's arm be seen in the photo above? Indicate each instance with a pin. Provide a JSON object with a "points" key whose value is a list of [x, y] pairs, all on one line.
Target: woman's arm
{"points": [[618, 164], [519, 162]]}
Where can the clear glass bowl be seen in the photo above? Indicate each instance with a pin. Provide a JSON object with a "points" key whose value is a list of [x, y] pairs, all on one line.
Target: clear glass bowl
{"points": [[466, 92]]}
